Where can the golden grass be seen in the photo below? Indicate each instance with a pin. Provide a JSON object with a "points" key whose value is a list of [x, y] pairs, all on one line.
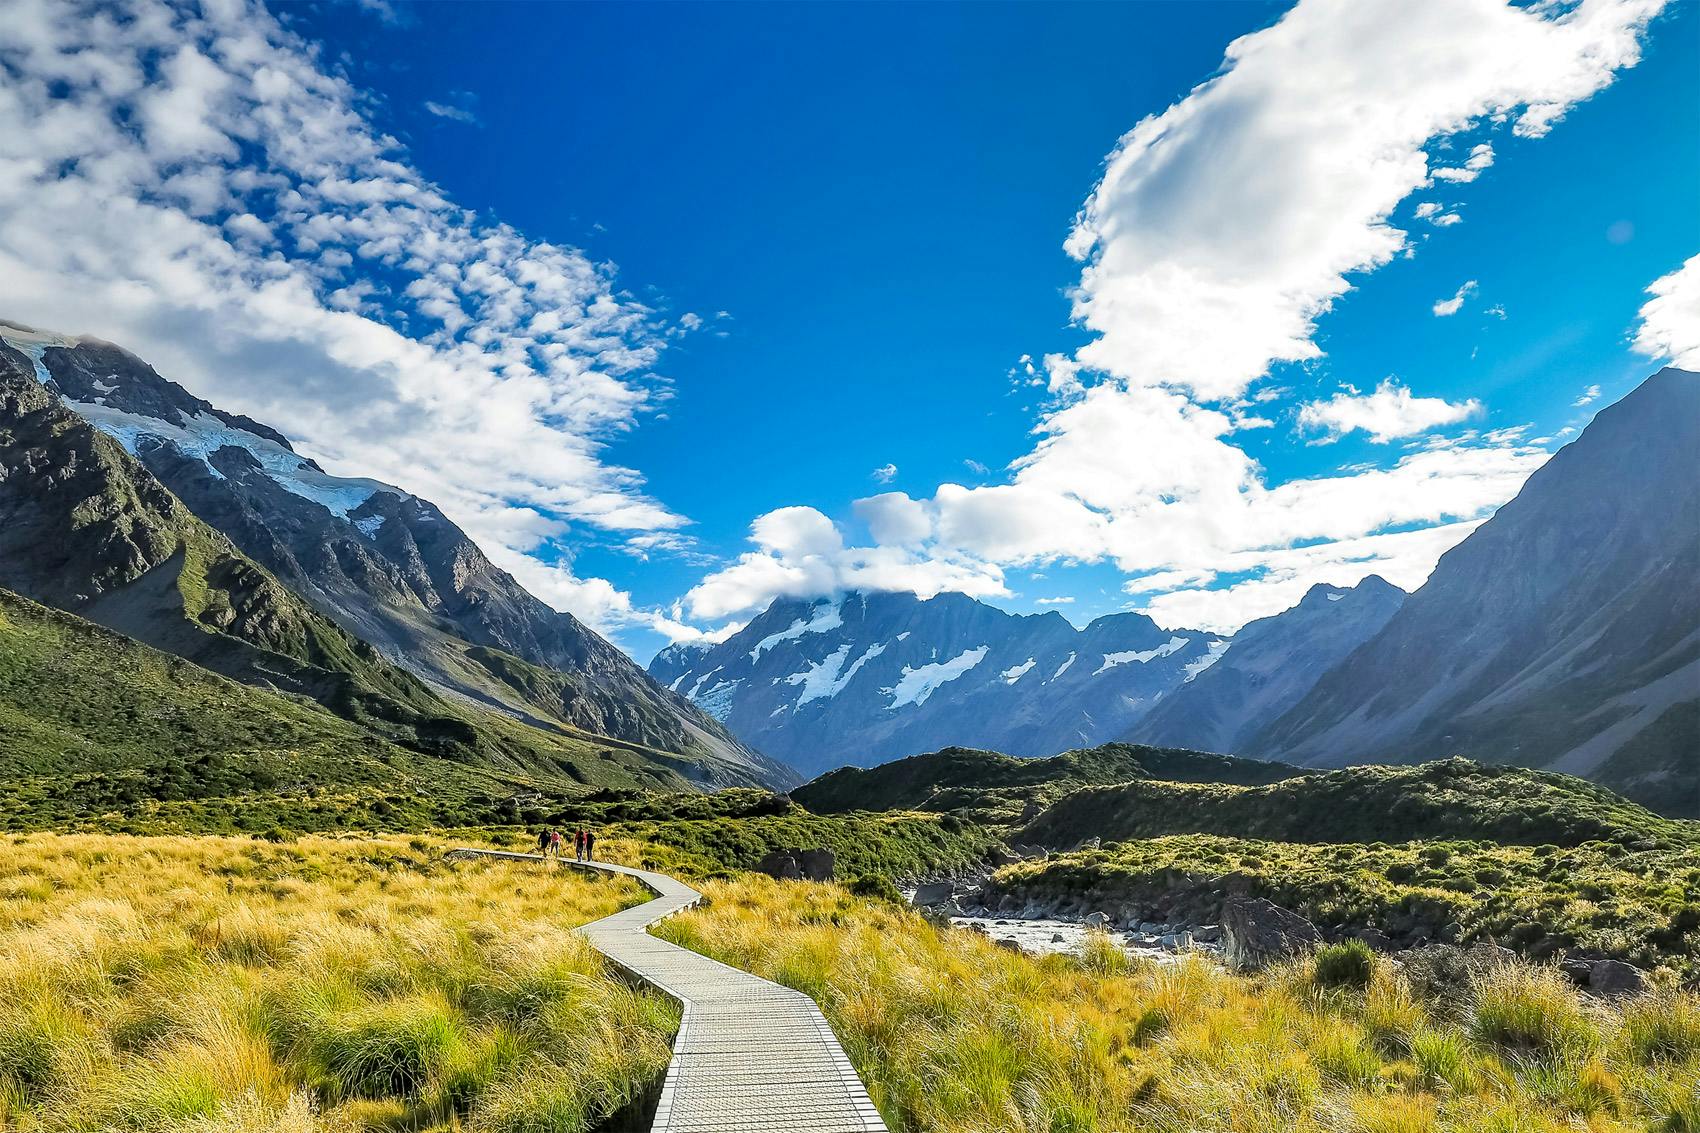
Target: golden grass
{"points": [[221, 984], [216, 985], [956, 1035]]}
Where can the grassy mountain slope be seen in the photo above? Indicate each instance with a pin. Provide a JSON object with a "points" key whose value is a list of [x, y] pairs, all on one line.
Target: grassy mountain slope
{"points": [[993, 787], [1452, 798], [86, 528], [99, 730]]}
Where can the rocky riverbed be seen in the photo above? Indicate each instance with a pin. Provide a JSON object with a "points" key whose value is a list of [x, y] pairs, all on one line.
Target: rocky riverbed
{"points": [[1042, 936], [1036, 933]]}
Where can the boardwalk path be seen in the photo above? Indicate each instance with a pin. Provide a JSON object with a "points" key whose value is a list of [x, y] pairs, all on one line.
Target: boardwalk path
{"points": [[751, 1056]]}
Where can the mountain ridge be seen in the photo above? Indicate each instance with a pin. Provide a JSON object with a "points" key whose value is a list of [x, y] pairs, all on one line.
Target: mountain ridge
{"points": [[386, 566], [1563, 633]]}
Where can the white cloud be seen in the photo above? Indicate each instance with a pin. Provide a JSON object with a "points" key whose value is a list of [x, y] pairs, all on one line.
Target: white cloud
{"points": [[885, 473], [454, 113], [1670, 320], [1059, 600], [1445, 307], [193, 185], [1481, 157], [1225, 226], [1588, 397], [800, 555], [1387, 414], [1405, 559]]}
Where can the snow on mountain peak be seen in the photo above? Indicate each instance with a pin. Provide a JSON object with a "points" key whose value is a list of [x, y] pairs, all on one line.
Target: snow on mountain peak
{"points": [[826, 617]]}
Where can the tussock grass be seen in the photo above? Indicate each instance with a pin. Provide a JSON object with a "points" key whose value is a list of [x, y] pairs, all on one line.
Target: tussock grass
{"points": [[218, 985], [955, 1035]]}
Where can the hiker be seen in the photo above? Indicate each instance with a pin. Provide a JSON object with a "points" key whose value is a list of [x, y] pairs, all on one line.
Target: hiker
{"points": [[543, 841], [589, 846], [578, 840], [556, 842]]}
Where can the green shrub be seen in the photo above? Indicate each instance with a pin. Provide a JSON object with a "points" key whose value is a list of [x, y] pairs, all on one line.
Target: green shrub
{"points": [[1532, 1011], [1663, 1027], [876, 886], [1350, 963], [385, 1049]]}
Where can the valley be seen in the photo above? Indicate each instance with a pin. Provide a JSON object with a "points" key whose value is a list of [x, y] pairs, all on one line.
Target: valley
{"points": [[216, 657]]}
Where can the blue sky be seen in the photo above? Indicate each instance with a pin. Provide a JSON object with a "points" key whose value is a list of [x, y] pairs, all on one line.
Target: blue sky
{"points": [[830, 234]]}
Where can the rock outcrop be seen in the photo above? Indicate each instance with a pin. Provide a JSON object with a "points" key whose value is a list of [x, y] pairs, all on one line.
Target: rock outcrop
{"points": [[1257, 933]]}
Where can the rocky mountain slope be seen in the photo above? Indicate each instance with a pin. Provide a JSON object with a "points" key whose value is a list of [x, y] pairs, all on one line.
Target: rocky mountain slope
{"points": [[863, 678], [386, 567], [1564, 633], [1273, 663]]}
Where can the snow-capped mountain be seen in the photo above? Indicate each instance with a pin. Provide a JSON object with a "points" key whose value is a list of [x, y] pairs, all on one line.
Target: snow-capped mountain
{"points": [[387, 566], [1274, 662], [1563, 634], [862, 678]]}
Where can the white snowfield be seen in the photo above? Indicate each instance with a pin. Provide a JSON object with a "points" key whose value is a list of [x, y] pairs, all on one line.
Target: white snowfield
{"points": [[915, 685], [1015, 673], [1142, 656], [825, 619], [1197, 666], [821, 680], [751, 1056], [202, 435]]}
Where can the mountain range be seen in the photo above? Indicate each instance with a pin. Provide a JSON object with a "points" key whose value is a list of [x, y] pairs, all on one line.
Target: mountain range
{"points": [[133, 504], [862, 678], [1563, 633]]}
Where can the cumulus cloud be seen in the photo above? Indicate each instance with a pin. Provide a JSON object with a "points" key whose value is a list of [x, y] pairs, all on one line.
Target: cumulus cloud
{"points": [[1059, 600], [1387, 414], [1225, 226], [1670, 320], [1279, 580], [885, 473], [194, 185], [1445, 307], [800, 554]]}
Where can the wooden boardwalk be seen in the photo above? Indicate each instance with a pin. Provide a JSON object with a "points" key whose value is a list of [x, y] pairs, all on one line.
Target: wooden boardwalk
{"points": [[751, 1056]]}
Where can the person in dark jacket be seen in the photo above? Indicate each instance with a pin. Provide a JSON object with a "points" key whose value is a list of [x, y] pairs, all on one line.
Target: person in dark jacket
{"points": [[589, 846]]}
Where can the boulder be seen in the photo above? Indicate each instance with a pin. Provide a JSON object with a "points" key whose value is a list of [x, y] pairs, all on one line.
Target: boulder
{"points": [[1097, 920], [932, 893], [782, 865], [1257, 932], [794, 865], [1010, 943], [1058, 938], [1177, 941], [817, 865], [1207, 933], [1614, 977], [1376, 939]]}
